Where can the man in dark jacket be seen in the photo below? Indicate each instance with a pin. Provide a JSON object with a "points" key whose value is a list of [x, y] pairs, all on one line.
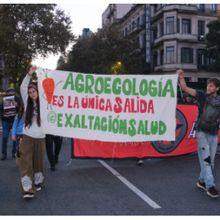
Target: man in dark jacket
{"points": [[9, 108]]}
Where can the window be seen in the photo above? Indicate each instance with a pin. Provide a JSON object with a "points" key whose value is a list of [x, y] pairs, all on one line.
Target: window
{"points": [[201, 28], [126, 31], [154, 33], [161, 29], [201, 59], [202, 80], [201, 8], [143, 19], [170, 25], [155, 7], [213, 8], [186, 26], [186, 55], [178, 25], [129, 27], [138, 22], [143, 41], [170, 54], [138, 40], [155, 59], [211, 60], [161, 57], [133, 25]]}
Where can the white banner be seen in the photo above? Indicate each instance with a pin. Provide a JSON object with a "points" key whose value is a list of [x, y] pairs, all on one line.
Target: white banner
{"points": [[113, 108]]}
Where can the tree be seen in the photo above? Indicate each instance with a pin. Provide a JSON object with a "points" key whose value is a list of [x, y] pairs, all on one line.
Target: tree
{"points": [[30, 30], [105, 52], [213, 45]]}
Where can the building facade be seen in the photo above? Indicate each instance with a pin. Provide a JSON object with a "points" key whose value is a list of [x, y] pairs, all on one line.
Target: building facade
{"points": [[172, 36], [134, 22], [115, 12], [178, 39], [86, 32]]}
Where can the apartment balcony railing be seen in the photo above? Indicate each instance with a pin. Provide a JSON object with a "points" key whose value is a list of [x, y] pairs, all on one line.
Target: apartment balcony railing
{"points": [[179, 7], [176, 36], [136, 28], [207, 11]]}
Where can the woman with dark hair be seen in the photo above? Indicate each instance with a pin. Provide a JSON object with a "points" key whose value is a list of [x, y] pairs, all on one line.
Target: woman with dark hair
{"points": [[32, 147]]}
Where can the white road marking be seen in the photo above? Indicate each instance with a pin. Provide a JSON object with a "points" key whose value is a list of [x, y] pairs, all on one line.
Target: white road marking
{"points": [[131, 186]]}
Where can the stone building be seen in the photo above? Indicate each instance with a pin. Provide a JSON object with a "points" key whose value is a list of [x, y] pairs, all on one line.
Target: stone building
{"points": [[86, 32], [115, 12], [171, 37]]}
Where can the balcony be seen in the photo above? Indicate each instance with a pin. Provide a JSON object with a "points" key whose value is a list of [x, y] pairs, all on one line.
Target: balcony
{"points": [[179, 7], [174, 66], [176, 36], [207, 11], [136, 28]]}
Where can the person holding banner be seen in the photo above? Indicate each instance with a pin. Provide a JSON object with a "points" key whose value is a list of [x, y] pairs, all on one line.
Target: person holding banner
{"points": [[32, 147], [207, 132]]}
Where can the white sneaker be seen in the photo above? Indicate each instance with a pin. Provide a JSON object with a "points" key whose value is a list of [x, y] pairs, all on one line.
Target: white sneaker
{"points": [[28, 196], [140, 162], [38, 187]]}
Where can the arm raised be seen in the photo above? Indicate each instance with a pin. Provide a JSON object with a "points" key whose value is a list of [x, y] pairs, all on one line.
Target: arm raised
{"points": [[183, 85]]}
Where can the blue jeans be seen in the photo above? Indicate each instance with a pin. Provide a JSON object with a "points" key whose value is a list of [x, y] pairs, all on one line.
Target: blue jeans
{"points": [[207, 146], [6, 130]]}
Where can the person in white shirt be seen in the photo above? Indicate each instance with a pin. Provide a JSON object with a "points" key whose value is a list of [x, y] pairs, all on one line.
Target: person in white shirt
{"points": [[32, 147]]}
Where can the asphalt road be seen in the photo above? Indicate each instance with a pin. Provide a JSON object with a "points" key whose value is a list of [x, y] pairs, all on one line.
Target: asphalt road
{"points": [[111, 187]]}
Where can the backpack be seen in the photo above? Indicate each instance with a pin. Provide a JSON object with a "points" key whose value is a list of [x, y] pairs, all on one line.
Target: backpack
{"points": [[210, 113]]}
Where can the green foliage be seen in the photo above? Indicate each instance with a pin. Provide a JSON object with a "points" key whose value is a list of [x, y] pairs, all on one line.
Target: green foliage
{"points": [[101, 53], [213, 45], [30, 30]]}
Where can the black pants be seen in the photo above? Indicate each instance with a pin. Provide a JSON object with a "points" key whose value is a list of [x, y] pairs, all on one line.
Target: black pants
{"points": [[53, 155]]}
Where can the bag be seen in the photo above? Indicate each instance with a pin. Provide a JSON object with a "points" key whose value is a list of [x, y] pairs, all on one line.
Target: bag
{"points": [[210, 114]]}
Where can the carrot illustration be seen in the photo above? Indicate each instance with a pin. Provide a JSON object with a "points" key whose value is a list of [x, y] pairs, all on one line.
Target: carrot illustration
{"points": [[48, 86]]}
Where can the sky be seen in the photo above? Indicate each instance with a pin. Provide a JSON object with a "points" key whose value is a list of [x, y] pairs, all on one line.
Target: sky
{"points": [[83, 16]]}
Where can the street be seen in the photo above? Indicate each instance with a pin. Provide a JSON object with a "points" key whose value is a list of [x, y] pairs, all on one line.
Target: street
{"points": [[164, 186]]}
